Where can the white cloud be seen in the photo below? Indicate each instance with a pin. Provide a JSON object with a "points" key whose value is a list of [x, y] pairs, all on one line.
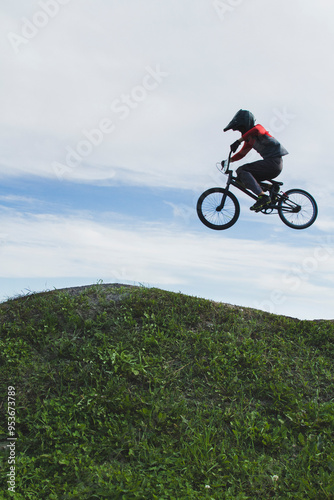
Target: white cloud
{"points": [[15, 198], [66, 78], [63, 83], [235, 270]]}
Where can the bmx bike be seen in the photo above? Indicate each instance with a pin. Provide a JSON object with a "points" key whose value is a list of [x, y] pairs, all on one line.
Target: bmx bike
{"points": [[219, 209]]}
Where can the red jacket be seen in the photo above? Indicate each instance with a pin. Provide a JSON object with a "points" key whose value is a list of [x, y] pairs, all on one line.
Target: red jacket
{"points": [[264, 143]]}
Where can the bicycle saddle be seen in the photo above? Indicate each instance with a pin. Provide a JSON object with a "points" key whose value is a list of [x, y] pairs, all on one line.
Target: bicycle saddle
{"points": [[276, 182]]}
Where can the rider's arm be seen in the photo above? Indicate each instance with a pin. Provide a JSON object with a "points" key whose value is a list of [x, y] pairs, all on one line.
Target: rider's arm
{"points": [[245, 149], [249, 138]]}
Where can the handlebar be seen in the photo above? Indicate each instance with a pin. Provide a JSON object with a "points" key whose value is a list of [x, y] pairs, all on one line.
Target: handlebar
{"points": [[225, 164]]}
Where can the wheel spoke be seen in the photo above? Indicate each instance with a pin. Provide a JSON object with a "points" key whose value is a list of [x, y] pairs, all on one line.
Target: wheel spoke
{"points": [[210, 213], [213, 214]]}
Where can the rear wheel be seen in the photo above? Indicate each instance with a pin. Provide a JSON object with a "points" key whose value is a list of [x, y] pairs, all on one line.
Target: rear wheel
{"points": [[297, 209], [211, 212]]}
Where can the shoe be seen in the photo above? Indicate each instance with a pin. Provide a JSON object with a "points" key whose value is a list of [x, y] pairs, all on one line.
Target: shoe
{"points": [[261, 202]]}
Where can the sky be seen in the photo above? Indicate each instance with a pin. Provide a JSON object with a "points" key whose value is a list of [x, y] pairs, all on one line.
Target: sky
{"points": [[111, 127]]}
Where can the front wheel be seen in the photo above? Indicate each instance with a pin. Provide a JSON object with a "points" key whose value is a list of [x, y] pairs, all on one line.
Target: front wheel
{"points": [[218, 209], [297, 209]]}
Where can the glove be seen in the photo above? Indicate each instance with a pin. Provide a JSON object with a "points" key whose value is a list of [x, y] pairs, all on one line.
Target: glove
{"points": [[235, 146]]}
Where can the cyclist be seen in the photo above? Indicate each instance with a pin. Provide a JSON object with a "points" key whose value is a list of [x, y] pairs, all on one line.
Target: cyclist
{"points": [[257, 137]]}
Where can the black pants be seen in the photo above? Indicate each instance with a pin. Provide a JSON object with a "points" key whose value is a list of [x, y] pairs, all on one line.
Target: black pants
{"points": [[251, 174]]}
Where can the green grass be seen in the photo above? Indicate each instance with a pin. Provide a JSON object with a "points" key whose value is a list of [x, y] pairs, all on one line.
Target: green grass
{"points": [[135, 393]]}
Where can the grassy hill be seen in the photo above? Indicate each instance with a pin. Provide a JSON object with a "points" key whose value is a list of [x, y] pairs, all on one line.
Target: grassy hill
{"points": [[133, 393]]}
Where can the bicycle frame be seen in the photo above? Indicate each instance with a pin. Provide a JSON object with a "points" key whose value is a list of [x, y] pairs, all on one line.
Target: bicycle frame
{"points": [[232, 181]]}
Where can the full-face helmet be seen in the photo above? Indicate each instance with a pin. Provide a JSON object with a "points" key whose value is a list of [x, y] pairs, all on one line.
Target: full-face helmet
{"points": [[242, 121]]}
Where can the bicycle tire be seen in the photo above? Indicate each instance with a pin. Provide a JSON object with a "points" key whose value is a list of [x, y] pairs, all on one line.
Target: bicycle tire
{"points": [[307, 213], [208, 214]]}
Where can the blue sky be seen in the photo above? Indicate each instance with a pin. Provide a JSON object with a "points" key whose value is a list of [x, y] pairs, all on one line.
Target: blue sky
{"points": [[111, 125]]}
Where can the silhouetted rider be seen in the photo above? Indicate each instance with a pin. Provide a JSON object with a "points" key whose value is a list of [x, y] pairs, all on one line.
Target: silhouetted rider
{"points": [[257, 137]]}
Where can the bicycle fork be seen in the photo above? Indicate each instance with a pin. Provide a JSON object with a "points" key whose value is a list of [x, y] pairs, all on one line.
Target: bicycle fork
{"points": [[229, 181], [222, 204]]}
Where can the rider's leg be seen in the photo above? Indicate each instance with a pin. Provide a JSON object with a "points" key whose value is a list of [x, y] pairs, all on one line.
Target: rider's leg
{"points": [[249, 180], [256, 171], [253, 173]]}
